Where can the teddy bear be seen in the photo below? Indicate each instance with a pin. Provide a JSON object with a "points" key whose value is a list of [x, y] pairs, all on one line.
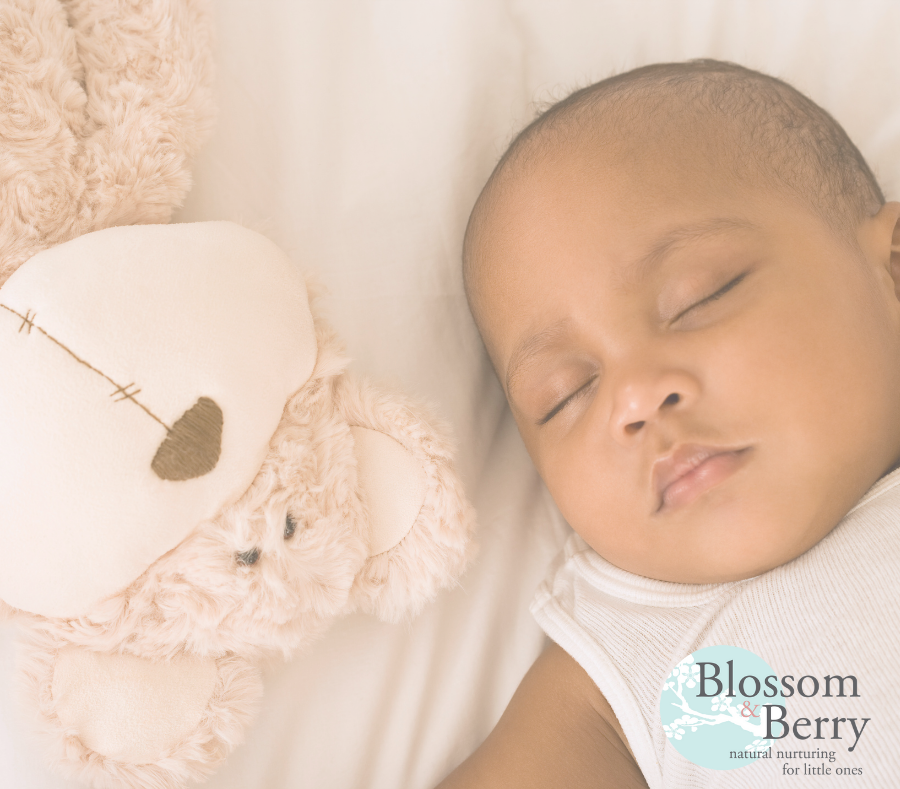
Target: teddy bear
{"points": [[191, 480]]}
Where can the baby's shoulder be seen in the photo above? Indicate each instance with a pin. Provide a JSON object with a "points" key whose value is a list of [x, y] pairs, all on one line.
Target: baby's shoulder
{"points": [[558, 731]]}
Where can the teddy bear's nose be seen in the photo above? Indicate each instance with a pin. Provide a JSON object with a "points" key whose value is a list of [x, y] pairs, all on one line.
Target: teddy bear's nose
{"points": [[193, 444]]}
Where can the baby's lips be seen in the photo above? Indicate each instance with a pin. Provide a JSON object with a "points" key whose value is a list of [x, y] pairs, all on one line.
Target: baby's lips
{"points": [[681, 461]]}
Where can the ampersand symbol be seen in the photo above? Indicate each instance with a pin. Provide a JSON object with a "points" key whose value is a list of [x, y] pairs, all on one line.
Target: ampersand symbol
{"points": [[746, 708]]}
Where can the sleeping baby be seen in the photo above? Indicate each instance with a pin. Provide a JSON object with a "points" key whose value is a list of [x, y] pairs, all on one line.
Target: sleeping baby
{"points": [[687, 279]]}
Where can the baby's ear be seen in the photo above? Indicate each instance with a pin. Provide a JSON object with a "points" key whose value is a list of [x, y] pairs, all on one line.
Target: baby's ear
{"points": [[879, 238], [895, 243], [420, 523]]}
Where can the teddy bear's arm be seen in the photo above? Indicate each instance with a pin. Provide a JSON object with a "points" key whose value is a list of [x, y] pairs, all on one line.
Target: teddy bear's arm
{"points": [[148, 74], [419, 519]]}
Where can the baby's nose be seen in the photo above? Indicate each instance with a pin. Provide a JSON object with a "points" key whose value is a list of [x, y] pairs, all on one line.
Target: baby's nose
{"points": [[645, 399]]}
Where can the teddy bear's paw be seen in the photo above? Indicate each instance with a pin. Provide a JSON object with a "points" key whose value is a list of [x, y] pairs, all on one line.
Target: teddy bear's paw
{"points": [[420, 523], [118, 720]]}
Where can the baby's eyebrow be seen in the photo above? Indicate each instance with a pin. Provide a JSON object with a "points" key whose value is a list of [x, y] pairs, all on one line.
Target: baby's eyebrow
{"points": [[680, 236], [531, 347]]}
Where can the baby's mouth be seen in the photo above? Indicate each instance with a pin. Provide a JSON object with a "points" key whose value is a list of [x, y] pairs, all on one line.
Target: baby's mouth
{"points": [[690, 470]]}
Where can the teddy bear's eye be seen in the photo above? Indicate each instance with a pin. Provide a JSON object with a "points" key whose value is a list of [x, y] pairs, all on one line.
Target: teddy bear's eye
{"points": [[248, 557], [290, 526]]}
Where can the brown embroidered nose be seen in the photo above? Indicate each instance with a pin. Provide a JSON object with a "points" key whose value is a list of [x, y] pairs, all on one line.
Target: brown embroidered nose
{"points": [[193, 444]]}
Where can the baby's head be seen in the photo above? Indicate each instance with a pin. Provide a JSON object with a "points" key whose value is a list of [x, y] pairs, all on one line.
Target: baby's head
{"points": [[686, 277]]}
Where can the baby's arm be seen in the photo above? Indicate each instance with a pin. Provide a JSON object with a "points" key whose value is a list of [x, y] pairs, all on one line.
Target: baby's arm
{"points": [[558, 731]]}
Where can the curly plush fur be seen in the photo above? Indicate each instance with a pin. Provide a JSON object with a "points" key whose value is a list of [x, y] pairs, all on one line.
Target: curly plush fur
{"points": [[106, 102]]}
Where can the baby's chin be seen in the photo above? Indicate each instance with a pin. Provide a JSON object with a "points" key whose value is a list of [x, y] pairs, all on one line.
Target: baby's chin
{"points": [[765, 515], [706, 552], [705, 573]]}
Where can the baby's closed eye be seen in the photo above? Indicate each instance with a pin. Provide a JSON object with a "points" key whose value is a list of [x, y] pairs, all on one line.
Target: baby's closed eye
{"points": [[710, 298], [568, 399]]}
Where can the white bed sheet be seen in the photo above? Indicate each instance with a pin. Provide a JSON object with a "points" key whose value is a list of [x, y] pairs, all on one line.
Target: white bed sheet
{"points": [[357, 135]]}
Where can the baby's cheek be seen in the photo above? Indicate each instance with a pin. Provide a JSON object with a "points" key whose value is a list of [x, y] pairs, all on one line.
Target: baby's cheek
{"points": [[592, 495]]}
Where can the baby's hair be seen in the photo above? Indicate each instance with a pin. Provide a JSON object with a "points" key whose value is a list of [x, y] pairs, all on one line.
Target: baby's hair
{"points": [[795, 144]]}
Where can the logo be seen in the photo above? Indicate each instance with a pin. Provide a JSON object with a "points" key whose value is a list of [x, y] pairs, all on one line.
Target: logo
{"points": [[718, 703]]}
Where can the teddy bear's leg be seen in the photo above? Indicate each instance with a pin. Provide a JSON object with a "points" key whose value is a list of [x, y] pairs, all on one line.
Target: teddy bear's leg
{"points": [[42, 119], [420, 521], [148, 74], [117, 720]]}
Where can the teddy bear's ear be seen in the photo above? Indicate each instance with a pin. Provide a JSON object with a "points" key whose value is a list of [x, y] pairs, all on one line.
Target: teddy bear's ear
{"points": [[420, 523]]}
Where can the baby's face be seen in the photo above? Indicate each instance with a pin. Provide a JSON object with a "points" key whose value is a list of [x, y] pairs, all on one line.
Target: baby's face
{"points": [[706, 377]]}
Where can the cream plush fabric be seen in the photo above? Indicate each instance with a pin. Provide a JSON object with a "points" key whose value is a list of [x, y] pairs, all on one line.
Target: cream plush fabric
{"points": [[358, 136], [133, 714], [394, 483]]}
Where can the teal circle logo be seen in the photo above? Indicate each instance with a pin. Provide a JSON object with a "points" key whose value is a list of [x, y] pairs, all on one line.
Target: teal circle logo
{"points": [[715, 705]]}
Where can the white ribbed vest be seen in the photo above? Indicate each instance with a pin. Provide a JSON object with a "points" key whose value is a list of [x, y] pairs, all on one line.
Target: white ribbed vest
{"points": [[833, 610]]}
